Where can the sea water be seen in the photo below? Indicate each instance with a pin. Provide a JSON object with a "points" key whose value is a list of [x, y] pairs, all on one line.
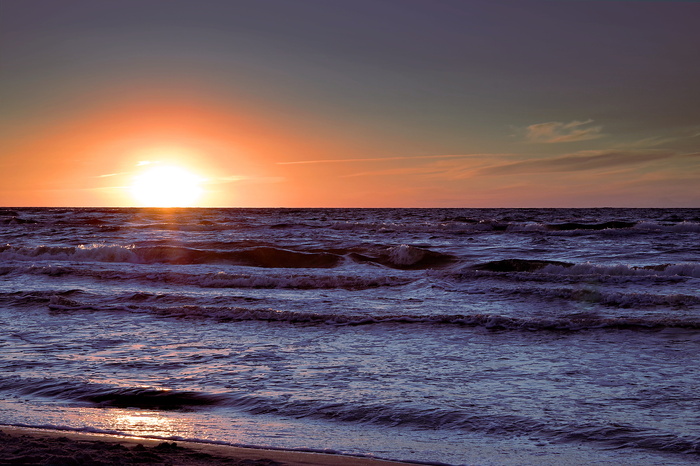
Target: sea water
{"points": [[459, 336]]}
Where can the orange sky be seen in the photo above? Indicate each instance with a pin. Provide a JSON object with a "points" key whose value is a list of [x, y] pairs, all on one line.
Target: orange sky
{"points": [[308, 104], [92, 158]]}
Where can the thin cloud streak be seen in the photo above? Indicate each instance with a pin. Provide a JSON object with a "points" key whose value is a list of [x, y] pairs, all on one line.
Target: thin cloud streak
{"points": [[450, 169], [582, 161], [244, 179], [388, 159], [648, 142], [422, 170], [681, 136], [557, 132]]}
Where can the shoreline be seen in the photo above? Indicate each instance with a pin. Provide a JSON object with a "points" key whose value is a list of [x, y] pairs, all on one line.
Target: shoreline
{"points": [[35, 445]]}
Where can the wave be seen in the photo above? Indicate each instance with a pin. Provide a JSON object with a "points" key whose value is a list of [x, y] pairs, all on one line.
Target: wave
{"points": [[618, 436], [181, 308], [487, 321], [20, 298], [518, 270], [459, 221], [194, 226], [18, 221], [612, 227], [296, 280], [163, 304], [680, 227], [619, 299], [257, 257], [398, 257], [406, 257], [518, 265], [475, 225], [408, 415], [590, 226], [111, 397], [550, 267]]}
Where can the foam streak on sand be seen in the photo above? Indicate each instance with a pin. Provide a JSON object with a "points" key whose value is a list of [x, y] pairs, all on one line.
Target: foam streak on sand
{"points": [[23, 445]]}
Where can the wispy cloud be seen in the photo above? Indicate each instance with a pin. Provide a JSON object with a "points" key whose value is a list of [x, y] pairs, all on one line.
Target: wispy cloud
{"points": [[243, 178], [384, 159], [446, 169], [680, 136], [422, 170], [141, 163], [580, 161], [648, 142], [463, 167], [557, 132]]}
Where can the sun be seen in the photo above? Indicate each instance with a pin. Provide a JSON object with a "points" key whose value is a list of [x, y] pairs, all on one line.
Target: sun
{"points": [[166, 186]]}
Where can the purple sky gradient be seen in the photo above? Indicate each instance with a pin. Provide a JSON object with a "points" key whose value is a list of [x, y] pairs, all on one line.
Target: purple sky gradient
{"points": [[432, 103]]}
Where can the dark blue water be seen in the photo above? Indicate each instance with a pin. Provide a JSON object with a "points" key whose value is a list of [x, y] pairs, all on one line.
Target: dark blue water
{"points": [[463, 336]]}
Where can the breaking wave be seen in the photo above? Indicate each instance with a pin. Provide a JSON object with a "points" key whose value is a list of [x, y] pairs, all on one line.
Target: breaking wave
{"points": [[221, 279], [105, 396], [549, 267], [424, 417], [398, 257], [183, 308]]}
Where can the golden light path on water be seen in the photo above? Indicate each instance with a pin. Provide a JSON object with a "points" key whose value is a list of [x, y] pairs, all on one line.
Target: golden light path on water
{"points": [[146, 423], [181, 425]]}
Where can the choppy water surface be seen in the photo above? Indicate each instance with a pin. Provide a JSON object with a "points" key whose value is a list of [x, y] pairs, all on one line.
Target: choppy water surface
{"points": [[463, 336]]}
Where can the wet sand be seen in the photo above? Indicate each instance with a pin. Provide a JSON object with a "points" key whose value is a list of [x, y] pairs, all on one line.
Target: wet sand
{"points": [[21, 445]]}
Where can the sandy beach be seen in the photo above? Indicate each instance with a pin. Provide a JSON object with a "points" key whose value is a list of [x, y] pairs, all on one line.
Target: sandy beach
{"points": [[22, 445]]}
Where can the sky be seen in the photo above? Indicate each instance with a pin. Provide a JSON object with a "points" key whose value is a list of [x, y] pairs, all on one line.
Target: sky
{"points": [[362, 103]]}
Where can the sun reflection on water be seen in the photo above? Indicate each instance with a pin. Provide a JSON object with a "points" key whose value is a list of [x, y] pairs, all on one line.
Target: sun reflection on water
{"points": [[146, 423]]}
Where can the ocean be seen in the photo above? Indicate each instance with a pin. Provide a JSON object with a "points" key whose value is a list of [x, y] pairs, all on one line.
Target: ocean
{"points": [[457, 336]]}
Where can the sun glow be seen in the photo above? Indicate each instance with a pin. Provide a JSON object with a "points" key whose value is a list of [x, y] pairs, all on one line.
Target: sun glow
{"points": [[167, 186]]}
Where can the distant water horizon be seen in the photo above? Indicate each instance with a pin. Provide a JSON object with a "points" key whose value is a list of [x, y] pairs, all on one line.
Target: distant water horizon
{"points": [[134, 207], [441, 335]]}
